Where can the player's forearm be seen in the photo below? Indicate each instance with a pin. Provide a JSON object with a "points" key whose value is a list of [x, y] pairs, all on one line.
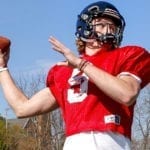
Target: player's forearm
{"points": [[116, 88], [13, 95]]}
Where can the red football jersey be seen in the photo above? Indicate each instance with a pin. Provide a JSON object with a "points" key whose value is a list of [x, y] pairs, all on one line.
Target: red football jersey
{"points": [[87, 108]]}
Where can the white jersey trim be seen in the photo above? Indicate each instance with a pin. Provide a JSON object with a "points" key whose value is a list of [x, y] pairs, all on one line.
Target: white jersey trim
{"points": [[130, 74]]}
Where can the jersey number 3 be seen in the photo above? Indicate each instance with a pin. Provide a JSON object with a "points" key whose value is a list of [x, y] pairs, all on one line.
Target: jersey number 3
{"points": [[78, 87]]}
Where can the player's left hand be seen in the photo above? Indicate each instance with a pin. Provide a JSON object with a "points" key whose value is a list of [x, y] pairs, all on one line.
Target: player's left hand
{"points": [[71, 59]]}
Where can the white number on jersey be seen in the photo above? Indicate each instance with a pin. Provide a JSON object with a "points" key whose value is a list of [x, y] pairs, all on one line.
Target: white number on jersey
{"points": [[78, 87]]}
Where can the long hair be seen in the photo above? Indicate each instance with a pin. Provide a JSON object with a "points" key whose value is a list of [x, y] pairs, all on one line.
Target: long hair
{"points": [[80, 46]]}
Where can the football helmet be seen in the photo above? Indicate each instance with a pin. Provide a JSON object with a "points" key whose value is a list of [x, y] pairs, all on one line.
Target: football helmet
{"points": [[84, 27]]}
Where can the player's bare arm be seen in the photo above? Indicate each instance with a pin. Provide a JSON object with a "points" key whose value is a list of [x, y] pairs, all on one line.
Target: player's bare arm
{"points": [[40, 103], [123, 89]]}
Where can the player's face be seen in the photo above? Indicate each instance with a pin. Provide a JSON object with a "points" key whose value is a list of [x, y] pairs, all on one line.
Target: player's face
{"points": [[101, 26], [104, 26]]}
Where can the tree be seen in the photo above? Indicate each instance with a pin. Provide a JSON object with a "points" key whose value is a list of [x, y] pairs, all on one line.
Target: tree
{"points": [[13, 136], [141, 125], [3, 145], [47, 129]]}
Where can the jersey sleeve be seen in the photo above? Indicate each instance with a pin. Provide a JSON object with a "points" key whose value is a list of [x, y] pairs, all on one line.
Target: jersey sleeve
{"points": [[136, 61], [51, 84]]}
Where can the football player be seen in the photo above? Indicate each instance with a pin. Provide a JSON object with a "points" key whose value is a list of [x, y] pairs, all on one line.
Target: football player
{"points": [[96, 90]]}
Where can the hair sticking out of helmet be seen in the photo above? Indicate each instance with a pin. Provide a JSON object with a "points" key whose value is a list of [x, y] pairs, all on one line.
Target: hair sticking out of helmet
{"points": [[84, 27]]}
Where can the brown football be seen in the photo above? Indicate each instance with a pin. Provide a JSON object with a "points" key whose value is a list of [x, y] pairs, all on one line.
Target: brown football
{"points": [[4, 43]]}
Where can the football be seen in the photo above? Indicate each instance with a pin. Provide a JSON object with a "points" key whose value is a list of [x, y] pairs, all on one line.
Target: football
{"points": [[4, 43]]}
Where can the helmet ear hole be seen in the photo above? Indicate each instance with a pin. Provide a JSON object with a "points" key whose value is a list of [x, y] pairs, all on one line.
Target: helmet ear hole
{"points": [[84, 28]]}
